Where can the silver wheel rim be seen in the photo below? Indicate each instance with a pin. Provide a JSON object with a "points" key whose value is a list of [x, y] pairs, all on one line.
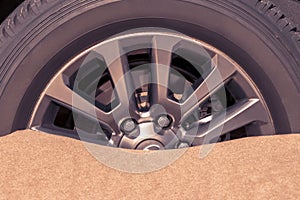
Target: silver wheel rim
{"points": [[133, 116]]}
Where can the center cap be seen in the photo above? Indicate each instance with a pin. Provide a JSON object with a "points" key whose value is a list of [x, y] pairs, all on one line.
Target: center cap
{"points": [[148, 136], [150, 145]]}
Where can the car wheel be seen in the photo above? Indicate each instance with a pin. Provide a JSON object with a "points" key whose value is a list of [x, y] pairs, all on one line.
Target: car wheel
{"points": [[150, 74]]}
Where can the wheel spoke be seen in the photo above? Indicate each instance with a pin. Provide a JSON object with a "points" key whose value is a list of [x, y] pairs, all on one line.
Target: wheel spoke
{"points": [[162, 49], [239, 115], [60, 93], [119, 70], [216, 79]]}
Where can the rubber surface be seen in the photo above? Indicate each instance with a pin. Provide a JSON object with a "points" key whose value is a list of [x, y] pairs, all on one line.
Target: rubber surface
{"points": [[31, 8]]}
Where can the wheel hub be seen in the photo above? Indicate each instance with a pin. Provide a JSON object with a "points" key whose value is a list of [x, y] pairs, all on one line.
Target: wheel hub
{"points": [[148, 136]]}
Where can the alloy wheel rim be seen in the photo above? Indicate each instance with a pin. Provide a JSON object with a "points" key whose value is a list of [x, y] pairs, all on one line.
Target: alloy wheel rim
{"points": [[154, 109]]}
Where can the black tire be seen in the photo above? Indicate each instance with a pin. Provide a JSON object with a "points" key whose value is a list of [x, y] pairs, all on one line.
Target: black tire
{"points": [[41, 35]]}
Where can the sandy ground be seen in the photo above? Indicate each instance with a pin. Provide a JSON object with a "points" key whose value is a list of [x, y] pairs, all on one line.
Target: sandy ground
{"points": [[42, 166]]}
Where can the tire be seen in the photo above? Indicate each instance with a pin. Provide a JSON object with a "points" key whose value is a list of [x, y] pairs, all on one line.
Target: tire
{"points": [[39, 37]]}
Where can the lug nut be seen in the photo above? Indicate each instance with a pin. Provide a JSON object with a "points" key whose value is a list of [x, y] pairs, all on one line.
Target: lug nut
{"points": [[128, 125], [183, 145], [164, 121]]}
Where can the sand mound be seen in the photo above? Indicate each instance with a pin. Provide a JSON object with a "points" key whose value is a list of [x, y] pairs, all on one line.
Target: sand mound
{"points": [[42, 166]]}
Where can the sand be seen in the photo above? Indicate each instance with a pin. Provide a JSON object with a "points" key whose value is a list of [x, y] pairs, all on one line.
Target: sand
{"points": [[42, 166]]}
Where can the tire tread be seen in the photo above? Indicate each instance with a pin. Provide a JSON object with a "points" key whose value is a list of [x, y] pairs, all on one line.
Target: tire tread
{"points": [[284, 24]]}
